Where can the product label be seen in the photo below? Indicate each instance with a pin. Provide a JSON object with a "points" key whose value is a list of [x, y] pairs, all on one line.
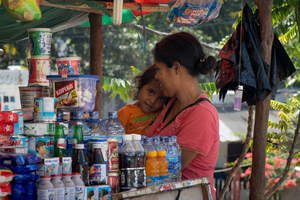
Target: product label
{"points": [[69, 193], [153, 180], [74, 142], [79, 192], [61, 143], [66, 165], [173, 164], [164, 179], [66, 93], [179, 160], [98, 172], [128, 179], [141, 175], [45, 194], [59, 193]]}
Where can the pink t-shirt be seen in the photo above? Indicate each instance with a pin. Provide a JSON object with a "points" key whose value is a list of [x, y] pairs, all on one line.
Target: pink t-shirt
{"points": [[197, 129]]}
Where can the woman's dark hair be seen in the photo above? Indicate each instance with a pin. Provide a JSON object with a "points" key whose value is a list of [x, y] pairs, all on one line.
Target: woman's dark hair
{"points": [[141, 80], [40, 143], [90, 194], [185, 49]]}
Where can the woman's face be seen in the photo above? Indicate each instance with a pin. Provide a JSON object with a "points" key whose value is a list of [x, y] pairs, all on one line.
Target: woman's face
{"points": [[166, 79]]}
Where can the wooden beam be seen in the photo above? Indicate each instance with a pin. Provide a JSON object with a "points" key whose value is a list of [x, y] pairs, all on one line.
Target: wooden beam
{"points": [[96, 52], [108, 6]]}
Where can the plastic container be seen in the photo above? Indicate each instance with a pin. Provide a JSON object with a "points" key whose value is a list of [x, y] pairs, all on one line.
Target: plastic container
{"points": [[113, 126], [40, 41], [69, 187], [74, 93], [176, 145], [27, 95], [45, 189], [39, 68], [59, 187], [68, 65], [141, 160], [156, 144], [172, 158], [148, 145], [95, 124], [163, 167], [79, 186], [152, 169]]}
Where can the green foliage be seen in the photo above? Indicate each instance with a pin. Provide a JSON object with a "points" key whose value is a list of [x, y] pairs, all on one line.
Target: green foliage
{"points": [[210, 89]]}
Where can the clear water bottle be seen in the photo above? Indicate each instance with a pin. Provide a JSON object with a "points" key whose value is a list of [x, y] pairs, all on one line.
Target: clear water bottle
{"points": [[172, 158], [78, 117], [95, 124], [143, 139], [148, 145], [156, 143], [113, 126], [141, 160], [176, 145], [162, 142]]}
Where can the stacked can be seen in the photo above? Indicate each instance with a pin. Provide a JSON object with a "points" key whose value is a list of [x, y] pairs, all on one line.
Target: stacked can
{"points": [[113, 164]]}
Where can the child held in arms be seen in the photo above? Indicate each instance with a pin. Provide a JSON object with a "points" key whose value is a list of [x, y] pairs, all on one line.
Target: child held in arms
{"points": [[150, 101]]}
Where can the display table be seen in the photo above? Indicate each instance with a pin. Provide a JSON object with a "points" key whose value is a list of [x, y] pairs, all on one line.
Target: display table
{"points": [[189, 189]]}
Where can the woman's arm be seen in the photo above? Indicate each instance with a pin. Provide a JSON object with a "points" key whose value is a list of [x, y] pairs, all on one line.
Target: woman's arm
{"points": [[186, 157]]}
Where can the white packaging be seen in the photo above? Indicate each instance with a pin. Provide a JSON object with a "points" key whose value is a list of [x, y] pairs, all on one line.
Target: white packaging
{"points": [[69, 187], [45, 189], [79, 186], [59, 187]]}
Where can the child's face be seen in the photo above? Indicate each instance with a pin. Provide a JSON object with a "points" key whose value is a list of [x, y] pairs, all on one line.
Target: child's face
{"points": [[151, 98], [41, 150]]}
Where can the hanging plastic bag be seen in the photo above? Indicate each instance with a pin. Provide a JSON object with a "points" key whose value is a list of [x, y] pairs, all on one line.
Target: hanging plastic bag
{"points": [[23, 10], [194, 12]]}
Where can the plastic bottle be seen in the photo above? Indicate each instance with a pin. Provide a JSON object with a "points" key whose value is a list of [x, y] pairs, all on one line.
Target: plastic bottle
{"points": [[80, 163], [79, 186], [176, 145], [69, 187], [148, 146], [59, 141], [77, 135], [45, 189], [98, 167], [142, 140], [95, 124], [156, 143], [152, 169], [141, 160], [172, 158], [163, 167], [78, 117], [162, 142], [113, 126], [127, 164], [58, 186]]}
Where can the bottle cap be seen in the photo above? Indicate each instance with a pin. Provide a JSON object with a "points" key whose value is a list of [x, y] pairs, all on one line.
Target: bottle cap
{"points": [[151, 153], [113, 114], [77, 123], [161, 153], [79, 146], [96, 146], [136, 137], [127, 137], [94, 115]]}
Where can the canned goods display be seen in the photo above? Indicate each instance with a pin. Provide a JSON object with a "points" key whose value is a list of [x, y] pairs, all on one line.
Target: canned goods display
{"points": [[103, 144], [16, 150], [19, 126], [42, 147], [19, 141], [44, 109], [114, 181], [113, 154]]}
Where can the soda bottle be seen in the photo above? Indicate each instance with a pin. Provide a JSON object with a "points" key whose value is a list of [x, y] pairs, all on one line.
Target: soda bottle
{"points": [[172, 158], [141, 160], [163, 167], [127, 164], [152, 169], [77, 135], [59, 140], [98, 167], [80, 163], [176, 145]]}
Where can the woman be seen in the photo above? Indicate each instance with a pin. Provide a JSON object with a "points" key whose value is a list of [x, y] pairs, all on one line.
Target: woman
{"points": [[179, 59]]}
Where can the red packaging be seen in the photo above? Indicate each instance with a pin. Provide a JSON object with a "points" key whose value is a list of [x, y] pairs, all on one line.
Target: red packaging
{"points": [[7, 128], [113, 181], [10, 117], [1, 117], [113, 154], [5, 189]]}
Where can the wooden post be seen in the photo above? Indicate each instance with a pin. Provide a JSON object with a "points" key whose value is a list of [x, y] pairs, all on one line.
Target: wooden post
{"points": [[257, 180], [96, 52]]}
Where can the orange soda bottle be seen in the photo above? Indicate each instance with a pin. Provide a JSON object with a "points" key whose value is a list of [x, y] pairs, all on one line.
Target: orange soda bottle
{"points": [[152, 169], [163, 167]]}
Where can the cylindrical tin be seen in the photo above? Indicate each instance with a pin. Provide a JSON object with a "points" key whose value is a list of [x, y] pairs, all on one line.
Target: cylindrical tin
{"points": [[19, 141], [27, 95], [16, 150], [39, 68], [103, 144], [44, 109], [113, 154], [42, 146], [114, 181], [19, 126]]}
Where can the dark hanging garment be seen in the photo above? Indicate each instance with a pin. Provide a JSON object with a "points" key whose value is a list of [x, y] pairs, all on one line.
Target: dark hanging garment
{"points": [[254, 70]]}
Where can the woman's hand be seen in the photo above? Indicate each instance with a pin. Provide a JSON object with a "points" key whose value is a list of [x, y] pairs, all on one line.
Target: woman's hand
{"points": [[186, 157]]}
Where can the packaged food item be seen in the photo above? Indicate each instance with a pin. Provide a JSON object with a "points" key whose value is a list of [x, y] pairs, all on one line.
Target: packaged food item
{"points": [[68, 65], [39, 68], [114, 181], [45, 189], [104, 192], [59, 187], [40, 41], [5, 189], [69, 186], [44, 109], [79, 186], [6, 176]]}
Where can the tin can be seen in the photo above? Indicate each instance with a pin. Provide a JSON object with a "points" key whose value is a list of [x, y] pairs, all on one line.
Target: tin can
{"points": [[19, 141], [103, 144], [113, 154], [114, 181], [19, 126], [16, 150], [10, 117], [7, 128], [44, 109], [42, 147], [39, 68]]}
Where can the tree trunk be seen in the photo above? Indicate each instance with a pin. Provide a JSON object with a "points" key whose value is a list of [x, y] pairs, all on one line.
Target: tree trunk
{"points": [[96, 52], [257, 180]]}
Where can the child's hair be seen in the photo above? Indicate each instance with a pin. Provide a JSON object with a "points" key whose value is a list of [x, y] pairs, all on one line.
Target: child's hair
{"points": [[40, 143], [141, 80], [90, 194]]}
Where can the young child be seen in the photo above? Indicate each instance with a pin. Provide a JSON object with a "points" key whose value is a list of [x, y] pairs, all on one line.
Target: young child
{"points": [[137, 117]]}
